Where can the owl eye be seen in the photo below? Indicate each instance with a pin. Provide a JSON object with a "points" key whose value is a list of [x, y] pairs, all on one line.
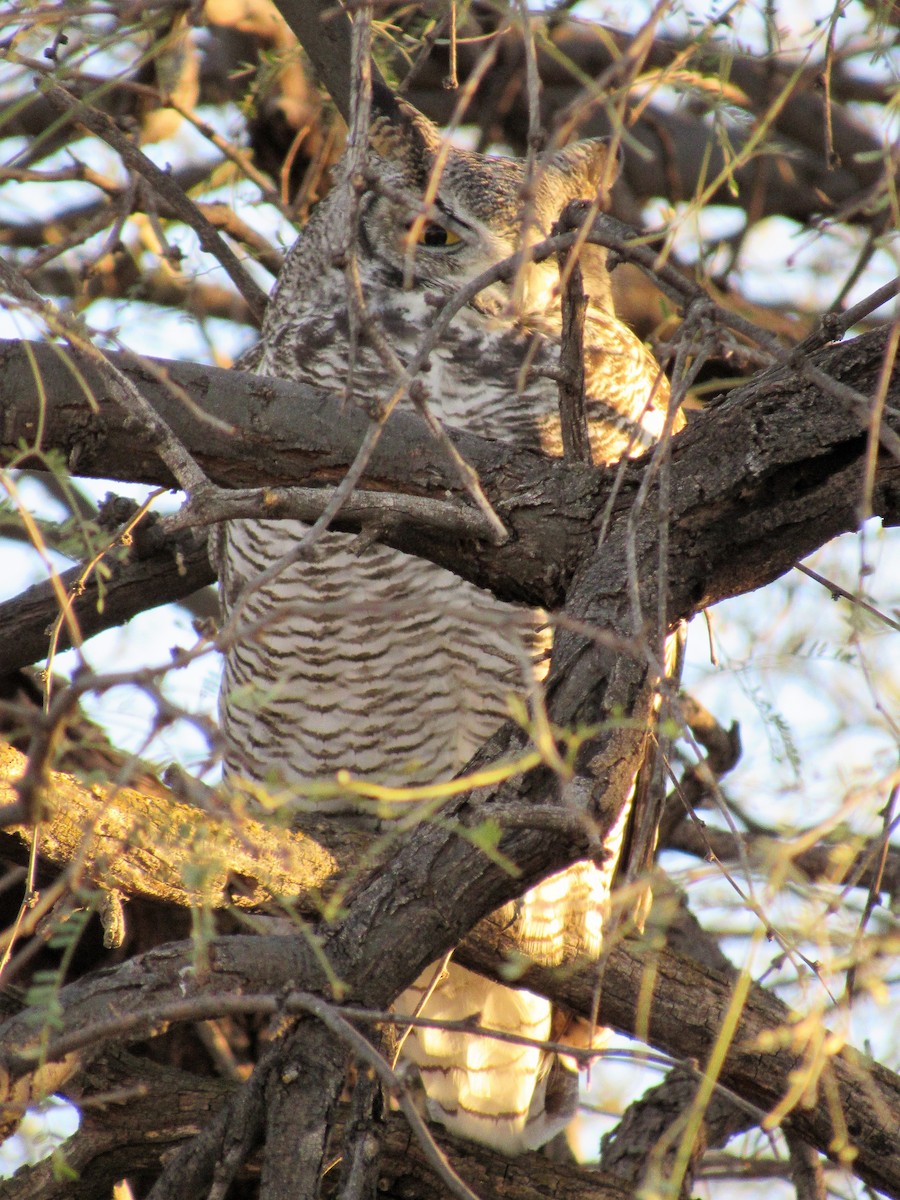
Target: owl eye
{"points": [[436, 236]]}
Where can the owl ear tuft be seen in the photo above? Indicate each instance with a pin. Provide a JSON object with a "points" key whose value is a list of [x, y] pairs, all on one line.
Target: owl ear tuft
{"points": [[401, 135], [591, 166]]}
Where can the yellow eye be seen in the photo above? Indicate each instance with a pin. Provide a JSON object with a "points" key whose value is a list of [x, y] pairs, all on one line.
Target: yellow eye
{"points": [[436, 236]]}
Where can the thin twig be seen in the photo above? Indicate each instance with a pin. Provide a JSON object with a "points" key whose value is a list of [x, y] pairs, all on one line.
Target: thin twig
{"points": [[169, 448], [451, 80], [888, 822], [839, 592], [387, 510], [105, 128]]}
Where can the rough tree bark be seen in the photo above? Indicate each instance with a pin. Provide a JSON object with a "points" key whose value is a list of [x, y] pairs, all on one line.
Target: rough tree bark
{"points": [[793, 469]]}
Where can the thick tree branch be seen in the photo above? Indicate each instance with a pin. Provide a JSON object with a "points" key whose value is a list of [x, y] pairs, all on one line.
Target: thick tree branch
{"points": [[134, 841], [638, 1149], [847, 1096], [323, 31], [107, 830], [139, 1126], [686, 1012], [685, 1015], [837, 863], [168, 569], [789, 483]]}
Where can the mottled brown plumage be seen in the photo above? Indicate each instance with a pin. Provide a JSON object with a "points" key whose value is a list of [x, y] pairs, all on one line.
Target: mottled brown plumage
{"points": [[390, 667]]}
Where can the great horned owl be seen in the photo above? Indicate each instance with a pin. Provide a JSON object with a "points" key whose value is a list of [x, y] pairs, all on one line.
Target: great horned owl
{"points": [[394, 669]]}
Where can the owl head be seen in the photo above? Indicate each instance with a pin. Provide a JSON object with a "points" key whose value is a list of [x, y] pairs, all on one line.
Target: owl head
{"points": [[435, 216]]}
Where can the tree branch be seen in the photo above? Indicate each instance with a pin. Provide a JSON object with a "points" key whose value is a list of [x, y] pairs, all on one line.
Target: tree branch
{"points": [[789, 483], [110, 831], [840, 863], [323, 30], [139, 1126], [170, 569], [686, 1012], [105, 128], [848, 1096], [642, 1147]]}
